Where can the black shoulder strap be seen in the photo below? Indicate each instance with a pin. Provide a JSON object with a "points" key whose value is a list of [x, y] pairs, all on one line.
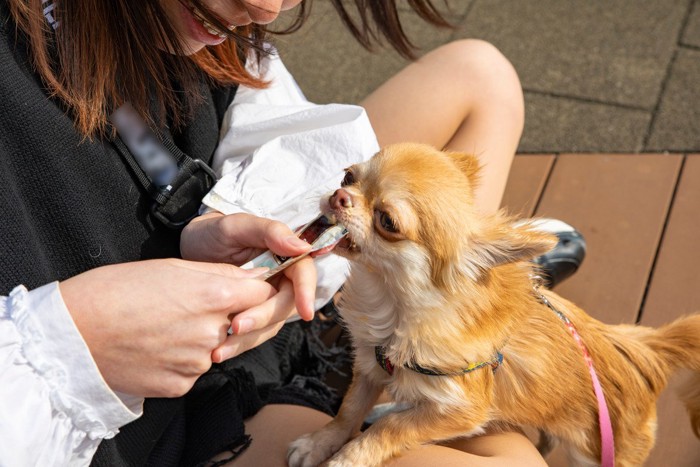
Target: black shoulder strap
{"points": [[175, 182]]}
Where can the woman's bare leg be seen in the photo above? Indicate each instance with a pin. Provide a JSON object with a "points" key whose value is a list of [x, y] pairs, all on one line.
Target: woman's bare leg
{"points": [[275, 426], [463, 96]]}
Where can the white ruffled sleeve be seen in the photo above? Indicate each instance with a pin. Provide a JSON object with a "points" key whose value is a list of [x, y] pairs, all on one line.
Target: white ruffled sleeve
{"points": [[55, 407]]}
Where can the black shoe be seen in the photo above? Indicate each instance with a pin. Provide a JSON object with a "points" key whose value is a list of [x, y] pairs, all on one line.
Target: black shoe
{"points": [[566, 257]]}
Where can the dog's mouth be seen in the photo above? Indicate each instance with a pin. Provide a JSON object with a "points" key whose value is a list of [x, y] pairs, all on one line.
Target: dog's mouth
{"points": [[348, 244], [324, 233], [340, 240]]}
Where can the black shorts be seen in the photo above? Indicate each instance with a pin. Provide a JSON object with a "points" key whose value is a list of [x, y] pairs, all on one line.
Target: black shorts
{"points": [[292, 368]]}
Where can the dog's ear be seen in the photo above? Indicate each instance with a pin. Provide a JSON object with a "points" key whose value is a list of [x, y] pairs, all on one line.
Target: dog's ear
{"points": [[468, 164], [505, 242]]}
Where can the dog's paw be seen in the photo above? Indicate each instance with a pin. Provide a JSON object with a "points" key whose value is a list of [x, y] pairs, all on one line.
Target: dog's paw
{"points": [[312, 449], [341, 461], [357, 453]]}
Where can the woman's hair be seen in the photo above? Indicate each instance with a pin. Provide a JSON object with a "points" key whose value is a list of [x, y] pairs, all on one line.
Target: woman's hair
{"points": [[102, 53]]}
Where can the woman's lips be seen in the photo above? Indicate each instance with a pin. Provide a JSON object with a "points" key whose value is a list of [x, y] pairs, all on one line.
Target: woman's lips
{"points": [[196, 29]]}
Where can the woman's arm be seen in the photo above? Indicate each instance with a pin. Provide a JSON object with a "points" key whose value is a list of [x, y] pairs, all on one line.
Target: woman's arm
{"points": [[146, 328]]}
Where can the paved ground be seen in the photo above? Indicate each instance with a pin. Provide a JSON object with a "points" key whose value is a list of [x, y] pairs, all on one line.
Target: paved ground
{"points": [[599, 75]]}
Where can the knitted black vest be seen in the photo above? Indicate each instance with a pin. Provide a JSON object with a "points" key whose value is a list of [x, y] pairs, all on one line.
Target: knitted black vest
{"points": [[67, 204]]}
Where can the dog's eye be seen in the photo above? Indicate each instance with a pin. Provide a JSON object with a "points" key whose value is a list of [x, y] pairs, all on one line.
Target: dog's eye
{"points": [[387, 222], [349, 179]]}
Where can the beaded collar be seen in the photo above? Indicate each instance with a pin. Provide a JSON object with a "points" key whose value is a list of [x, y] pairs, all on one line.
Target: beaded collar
{"points": [[387, 366]]}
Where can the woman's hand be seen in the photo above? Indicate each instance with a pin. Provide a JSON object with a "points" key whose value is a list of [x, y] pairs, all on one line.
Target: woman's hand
{"points": [[151, 326], [254, 326], [237, 239]]}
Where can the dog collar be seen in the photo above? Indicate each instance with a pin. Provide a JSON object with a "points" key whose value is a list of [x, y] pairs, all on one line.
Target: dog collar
{"points": [[387, 366]]}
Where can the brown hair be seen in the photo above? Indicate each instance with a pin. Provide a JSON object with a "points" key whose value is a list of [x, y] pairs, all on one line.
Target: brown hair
{"points": [[105, 53]]}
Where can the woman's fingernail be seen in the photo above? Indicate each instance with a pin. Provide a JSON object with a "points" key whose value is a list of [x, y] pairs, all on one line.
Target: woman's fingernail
{"points": [[245, 326], [296, 242]]}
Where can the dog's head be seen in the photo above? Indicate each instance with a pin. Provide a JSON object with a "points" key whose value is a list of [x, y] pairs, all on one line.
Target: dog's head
{"points": [[410, 209]]}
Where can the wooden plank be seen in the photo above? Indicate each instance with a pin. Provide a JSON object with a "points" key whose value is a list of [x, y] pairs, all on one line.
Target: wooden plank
{"points": [[674, 291], [620, 204], [675, 443], [527, 179], [675, 288]]}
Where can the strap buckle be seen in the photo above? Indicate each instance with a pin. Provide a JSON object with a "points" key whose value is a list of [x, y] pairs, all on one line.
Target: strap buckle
{"points": [[198, 179], [176, 182]]}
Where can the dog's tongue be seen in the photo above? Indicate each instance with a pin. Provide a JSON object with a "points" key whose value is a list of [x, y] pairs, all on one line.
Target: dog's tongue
{"points": [[323, 234], [328, 240]]}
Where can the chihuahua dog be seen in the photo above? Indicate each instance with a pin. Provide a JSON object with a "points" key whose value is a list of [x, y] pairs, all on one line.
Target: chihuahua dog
{"points": [[443, 315]]}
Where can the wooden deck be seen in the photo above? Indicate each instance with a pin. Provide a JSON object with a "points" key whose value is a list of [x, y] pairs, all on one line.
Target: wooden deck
{"points": [[640, 215]]}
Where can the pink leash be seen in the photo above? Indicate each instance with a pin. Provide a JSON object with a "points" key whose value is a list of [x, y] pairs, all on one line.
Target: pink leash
{"points": [[607, 441]]}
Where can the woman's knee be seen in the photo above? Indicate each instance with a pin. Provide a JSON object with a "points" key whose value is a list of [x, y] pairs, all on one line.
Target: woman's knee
{"points": [[476, 59], [485, 73]]}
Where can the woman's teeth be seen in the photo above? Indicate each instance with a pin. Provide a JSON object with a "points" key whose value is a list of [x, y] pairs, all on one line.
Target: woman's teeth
{"points": [[207, 25]]}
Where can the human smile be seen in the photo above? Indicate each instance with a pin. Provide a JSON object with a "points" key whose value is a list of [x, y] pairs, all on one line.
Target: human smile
{"points": [[211, 29], [200, 29]]}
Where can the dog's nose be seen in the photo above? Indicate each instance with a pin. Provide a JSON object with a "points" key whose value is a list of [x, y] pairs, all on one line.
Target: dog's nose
{"points": [[341, 199]]}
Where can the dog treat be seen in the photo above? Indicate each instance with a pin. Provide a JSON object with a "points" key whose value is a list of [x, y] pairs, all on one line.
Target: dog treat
{"points": [[323, 234]]}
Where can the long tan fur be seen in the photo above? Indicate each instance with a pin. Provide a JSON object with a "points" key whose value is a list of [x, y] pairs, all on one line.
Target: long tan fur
{"points": [[438, 284]]}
